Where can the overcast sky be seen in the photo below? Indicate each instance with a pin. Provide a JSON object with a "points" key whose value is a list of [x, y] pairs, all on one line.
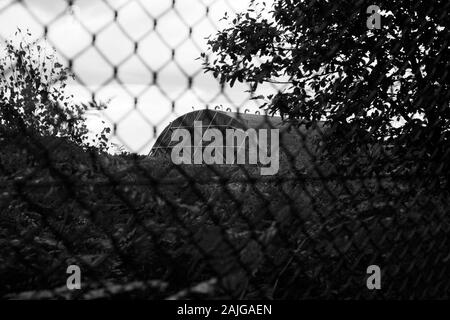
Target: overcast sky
{"points": [[71, 32]]}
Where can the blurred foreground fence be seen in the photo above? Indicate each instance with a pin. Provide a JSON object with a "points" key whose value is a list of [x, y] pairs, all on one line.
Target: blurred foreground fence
{"points": [[142, 227], [140, 56]]}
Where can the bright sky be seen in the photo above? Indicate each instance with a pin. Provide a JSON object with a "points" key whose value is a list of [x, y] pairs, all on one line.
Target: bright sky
{"points": [[157, 28]]}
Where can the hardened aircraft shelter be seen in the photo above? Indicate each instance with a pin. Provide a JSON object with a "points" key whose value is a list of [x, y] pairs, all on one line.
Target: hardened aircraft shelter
{"points": [[295, 139]]}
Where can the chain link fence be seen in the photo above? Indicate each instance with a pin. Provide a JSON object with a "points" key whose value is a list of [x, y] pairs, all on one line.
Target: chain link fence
{"points": [[139, 226], [142, 57]]}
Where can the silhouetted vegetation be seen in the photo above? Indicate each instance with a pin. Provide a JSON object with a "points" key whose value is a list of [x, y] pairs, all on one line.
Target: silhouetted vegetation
{"points": [[142, 227]]}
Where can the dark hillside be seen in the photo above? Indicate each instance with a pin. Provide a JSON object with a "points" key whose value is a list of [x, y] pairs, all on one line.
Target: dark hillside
{"points": [[131, 220]]}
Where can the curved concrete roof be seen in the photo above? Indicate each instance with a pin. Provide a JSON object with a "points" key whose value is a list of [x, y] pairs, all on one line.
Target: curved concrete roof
{"points": [[295, 138], [216, 119]]}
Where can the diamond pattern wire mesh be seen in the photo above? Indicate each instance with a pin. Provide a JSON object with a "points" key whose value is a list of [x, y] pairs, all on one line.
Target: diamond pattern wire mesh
{"points": [[142, 227], [162, 48]]}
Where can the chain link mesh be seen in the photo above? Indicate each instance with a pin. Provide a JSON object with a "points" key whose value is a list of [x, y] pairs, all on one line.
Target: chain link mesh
{"points": [[139, 226]]}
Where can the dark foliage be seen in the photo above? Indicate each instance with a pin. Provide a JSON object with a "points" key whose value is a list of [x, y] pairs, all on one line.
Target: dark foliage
{"points": [[384, 92], [33, 96], [141, 227], [144, 228]]}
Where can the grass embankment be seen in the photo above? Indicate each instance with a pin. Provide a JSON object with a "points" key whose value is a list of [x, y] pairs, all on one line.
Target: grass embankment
{"points": [[141, 227]]}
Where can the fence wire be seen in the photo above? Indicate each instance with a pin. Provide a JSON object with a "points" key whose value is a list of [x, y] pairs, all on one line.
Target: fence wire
{"points": [[139, 226]]}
